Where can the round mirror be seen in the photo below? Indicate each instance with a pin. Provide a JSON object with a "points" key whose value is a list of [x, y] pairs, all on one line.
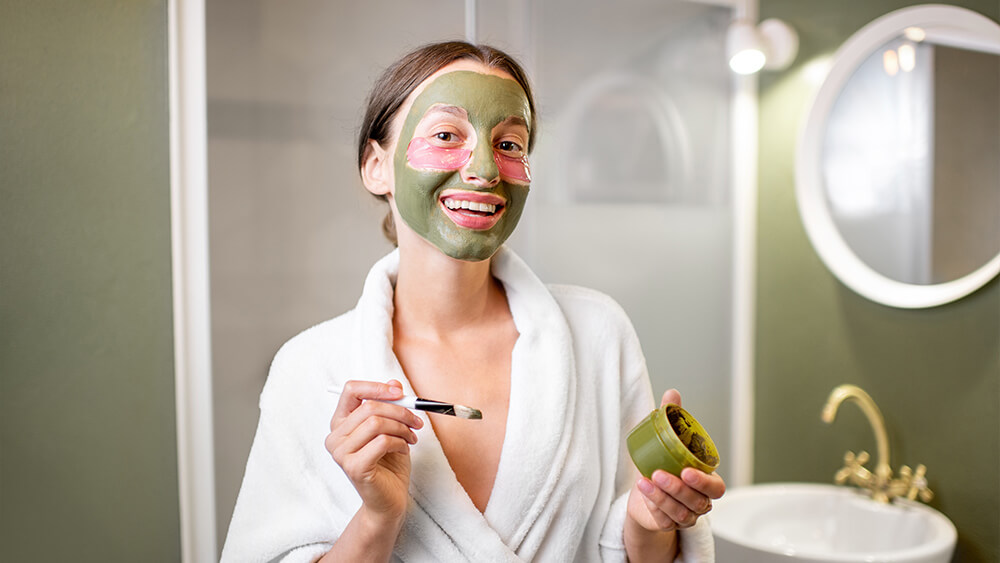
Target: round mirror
{"points": [[898, 166]]}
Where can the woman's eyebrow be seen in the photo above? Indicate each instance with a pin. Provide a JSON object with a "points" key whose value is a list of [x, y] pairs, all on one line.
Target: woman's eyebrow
{"points": [[515, 120], [452, 110]]}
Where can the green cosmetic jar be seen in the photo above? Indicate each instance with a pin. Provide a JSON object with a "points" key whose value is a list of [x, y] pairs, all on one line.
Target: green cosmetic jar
{"points": [[671, 439]]}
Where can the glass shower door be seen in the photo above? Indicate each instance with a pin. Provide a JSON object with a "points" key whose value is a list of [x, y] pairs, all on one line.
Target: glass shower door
{"points": [[632, 182]]}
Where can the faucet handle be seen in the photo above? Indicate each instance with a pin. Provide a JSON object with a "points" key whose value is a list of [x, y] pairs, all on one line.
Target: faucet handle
{"points": [[861, 459], [853, 469], [841, 476], [918, 485]]}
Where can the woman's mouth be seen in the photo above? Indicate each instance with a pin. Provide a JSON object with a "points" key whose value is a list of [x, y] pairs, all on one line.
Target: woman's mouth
{"points": [[471, 210], [486, 208]]}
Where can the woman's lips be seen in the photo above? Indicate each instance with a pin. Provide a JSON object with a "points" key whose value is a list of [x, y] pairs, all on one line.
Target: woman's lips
{"points": [[472, 210]]}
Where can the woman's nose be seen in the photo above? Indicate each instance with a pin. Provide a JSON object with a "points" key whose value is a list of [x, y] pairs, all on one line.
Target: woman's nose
{"points": [[482, 168]]}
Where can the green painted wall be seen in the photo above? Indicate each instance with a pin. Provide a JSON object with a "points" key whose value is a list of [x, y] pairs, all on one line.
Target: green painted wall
{"points": [[88, 463], [935, 373]]}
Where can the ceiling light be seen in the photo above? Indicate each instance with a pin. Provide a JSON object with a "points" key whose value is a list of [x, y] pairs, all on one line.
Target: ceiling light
{"points": [[915, 34], [771, 45]]}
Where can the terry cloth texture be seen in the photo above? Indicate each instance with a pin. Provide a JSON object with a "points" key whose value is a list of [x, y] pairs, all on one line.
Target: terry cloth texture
{"points": [[578, 385]]}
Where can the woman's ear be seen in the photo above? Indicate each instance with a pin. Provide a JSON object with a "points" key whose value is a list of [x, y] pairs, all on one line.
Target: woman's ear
{"points": [[376, 172]]}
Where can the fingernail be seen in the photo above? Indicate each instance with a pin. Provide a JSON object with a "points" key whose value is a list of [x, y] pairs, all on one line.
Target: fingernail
{"points": [[646, 486], [689, 476], [661, 478]]}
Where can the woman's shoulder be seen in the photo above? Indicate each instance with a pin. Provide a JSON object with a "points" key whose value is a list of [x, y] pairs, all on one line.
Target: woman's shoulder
{"points": [[606, 344], [316, 343], [584, 304], [579, 296], [301, 366]]}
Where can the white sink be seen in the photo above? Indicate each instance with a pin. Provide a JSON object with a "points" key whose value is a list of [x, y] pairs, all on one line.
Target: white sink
{"points": [[801, 522]]}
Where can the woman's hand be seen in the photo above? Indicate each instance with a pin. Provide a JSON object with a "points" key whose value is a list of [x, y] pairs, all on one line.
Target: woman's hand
{"points": [[371, 440], [667, 503]]}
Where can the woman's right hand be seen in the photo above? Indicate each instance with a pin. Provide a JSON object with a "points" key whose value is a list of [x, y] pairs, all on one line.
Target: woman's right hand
{"points": [[371, 440]]}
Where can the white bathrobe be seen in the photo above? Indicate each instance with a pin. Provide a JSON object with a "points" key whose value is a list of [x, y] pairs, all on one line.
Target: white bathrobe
{"points": [[578, 385]]}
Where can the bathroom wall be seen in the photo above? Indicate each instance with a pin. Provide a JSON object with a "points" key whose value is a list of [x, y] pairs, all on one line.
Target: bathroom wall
{"points": [[935, 373], [88, 462]]}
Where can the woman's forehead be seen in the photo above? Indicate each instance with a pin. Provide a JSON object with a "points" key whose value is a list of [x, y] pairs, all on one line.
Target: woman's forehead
{"points": [[467, 65], [489, 96]]}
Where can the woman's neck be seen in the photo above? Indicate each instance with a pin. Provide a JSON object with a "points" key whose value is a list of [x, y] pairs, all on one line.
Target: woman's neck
{"points": [[437, 295]]}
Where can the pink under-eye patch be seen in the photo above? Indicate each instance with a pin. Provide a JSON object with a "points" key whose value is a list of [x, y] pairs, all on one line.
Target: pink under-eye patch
{"points": [[422, 155], [513, 168]]}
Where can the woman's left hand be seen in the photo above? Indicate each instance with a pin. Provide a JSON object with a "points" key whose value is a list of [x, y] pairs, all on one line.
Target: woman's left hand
{"points": [[667, 502]]}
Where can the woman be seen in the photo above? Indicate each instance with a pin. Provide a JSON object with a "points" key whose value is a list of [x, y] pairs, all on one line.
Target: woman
{"points": [[453, 315]]}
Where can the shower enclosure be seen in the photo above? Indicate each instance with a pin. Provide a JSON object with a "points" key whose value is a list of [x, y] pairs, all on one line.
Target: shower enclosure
{"points": [[632, 191]]}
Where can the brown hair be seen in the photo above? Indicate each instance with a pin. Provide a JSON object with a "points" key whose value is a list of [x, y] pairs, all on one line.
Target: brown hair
{"points": [[402, 78]]}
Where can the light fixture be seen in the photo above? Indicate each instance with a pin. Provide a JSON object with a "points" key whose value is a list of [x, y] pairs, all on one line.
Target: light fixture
{"points": [[915, 34], [771, 45]]}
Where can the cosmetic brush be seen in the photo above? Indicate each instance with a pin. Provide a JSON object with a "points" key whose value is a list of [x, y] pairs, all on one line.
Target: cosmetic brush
{"points": [[426, 405]]}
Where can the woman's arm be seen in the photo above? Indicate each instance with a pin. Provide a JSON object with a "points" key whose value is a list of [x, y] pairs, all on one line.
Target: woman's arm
{"points": [[371, 440], [367, 538], [659, 506], [648, 545]]}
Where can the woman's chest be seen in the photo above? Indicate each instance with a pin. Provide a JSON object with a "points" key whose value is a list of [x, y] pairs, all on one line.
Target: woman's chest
{"points": [[475, 376]]}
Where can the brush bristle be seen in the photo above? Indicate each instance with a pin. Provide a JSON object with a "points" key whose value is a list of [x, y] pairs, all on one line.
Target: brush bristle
{"points": [[462, 411]]}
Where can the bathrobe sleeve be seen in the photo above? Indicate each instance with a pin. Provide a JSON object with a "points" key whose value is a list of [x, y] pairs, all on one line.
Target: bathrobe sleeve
{"points": [[293, 502], [695, 544]]}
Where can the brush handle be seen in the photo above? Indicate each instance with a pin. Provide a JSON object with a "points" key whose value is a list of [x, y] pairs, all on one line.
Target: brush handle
{"points": [[407, 401], [432, 406], [411, 402]]}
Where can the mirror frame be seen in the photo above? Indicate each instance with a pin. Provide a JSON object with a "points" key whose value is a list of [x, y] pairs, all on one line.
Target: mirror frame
{"points": [[977, 32]]}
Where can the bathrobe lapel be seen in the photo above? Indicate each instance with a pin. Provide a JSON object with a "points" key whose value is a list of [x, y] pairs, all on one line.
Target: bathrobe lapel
{"points": [[443, 523], [541, 413]]}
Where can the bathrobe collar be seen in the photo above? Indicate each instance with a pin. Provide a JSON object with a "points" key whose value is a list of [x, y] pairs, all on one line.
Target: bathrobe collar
{"points": [[443, 523]]}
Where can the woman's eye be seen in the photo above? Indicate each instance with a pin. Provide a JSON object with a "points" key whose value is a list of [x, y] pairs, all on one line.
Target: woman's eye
{"points": [[509, 146], [446, 136]]}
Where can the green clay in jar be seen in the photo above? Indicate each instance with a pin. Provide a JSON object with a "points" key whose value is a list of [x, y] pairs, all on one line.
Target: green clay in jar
{"points": [[671, 439]]}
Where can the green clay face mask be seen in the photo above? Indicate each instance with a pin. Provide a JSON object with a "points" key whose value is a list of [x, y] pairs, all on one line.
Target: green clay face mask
{"points": [[461, 168]]}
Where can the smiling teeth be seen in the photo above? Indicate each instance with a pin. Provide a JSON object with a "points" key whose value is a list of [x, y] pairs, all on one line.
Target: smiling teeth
{"points": [[470, 205]]}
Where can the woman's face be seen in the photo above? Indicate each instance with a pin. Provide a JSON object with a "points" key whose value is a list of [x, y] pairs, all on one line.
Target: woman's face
{"points": [[460, 164]]}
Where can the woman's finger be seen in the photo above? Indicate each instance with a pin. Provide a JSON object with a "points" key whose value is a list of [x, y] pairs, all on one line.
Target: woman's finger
{"points": [[709, 484], [372, 427], [659, 501], [356, 392], [363, 463], [347, 425], [671, 396], [660, 518], [679, 491]]}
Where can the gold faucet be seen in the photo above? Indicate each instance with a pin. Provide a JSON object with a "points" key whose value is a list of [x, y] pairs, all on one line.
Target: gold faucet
{"points": [[881, 485]]}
